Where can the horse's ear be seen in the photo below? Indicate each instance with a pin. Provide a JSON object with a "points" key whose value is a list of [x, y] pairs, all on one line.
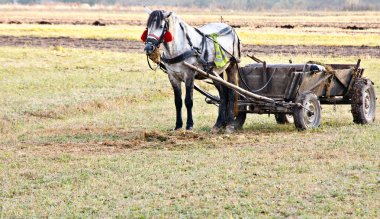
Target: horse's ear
{"points": [[168, 37], [144, 35], [167, 14], [147, 10]]}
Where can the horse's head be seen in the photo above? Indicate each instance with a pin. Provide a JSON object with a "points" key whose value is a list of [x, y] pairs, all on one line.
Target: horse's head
{"points": [[157, 31]]}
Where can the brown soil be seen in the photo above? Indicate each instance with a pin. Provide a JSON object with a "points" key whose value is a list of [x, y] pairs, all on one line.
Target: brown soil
{"points": [[358, 51], [113, 140], [122, 45]]}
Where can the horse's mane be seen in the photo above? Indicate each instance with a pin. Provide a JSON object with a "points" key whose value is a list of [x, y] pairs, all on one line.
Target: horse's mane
{"points": [[155, 14]]}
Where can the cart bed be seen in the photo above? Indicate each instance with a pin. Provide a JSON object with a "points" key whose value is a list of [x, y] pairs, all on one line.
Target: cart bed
{"points": [[285, 81]]}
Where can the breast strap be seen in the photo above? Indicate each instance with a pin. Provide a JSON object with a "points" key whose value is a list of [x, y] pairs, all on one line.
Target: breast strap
{"points": [[180, 58]]}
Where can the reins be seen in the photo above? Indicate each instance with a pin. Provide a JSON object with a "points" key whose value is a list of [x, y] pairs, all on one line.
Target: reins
{"points": [[150, 66]]}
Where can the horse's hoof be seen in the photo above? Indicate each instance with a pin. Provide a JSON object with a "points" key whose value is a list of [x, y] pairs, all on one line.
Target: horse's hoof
{"points": [[215, 130], [230, 129], [177, 129], [189, 128]]}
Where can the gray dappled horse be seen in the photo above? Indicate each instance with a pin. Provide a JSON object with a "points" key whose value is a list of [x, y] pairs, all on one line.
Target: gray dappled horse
{"points": [[196, 46]]}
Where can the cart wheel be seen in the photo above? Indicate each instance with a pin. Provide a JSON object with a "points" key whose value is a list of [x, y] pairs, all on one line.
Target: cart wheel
{"points": [[363, 102], [283, 118], [308, 116], [239, 120]]}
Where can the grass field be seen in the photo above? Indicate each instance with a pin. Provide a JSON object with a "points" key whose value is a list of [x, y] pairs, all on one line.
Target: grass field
{"points": [[84, 133], [87, 133]]}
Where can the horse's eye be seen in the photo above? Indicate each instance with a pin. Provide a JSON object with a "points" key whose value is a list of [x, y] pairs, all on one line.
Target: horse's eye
{"points": [[161, 26]]}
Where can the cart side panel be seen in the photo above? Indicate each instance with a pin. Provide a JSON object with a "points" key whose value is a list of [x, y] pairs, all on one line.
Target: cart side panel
{"points": [[273, 84]]}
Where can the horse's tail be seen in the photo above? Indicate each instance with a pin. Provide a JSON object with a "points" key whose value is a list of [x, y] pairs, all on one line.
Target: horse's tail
{"points": [[236, 105], [237, 56]]}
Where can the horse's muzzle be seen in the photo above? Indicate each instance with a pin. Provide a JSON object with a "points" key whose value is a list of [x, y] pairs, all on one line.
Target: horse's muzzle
{"points": [[149, 48]]}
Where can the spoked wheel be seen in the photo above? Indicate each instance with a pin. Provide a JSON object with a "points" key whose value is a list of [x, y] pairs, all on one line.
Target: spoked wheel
{"points": [[283, 118], [363, 103], [309, 115], [239, 120]]}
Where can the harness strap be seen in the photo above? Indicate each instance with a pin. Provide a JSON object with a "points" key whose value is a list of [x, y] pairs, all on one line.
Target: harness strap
{"points": [[204, 48], [203, 60], [221, 32], [225, 31], [187, 35], [179, 58]]}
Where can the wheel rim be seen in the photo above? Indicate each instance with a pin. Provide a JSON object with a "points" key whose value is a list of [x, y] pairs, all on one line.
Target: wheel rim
{"points": [[289, 118], [368, 105], [310, 114]]}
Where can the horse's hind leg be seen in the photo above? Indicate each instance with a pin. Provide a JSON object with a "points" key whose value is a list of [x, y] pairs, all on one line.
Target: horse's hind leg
{"points": [[189, 84], [221, 120], [230, 128], [176, 84], [232, 72]]}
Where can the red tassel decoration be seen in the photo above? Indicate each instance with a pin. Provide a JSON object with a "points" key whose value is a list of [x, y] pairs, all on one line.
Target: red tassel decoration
{"points": [[144, 35], [168, 37]]}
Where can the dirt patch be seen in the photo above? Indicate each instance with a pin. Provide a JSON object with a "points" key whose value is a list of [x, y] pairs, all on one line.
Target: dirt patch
{"points": [[121, 45], [119, 141], [235, 26], [90, 140], [14, 22], [98, 23], [107, 44], [111, 140], [44, 23], [44, 114], [354, 28], [288, 26], [358, 51]]}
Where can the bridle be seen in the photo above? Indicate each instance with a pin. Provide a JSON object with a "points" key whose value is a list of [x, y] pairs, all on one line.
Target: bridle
{"points": [[152, 41]]}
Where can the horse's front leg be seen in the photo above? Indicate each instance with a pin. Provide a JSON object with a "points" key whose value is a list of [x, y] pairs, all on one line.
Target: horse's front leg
{"points": [[176, 84], [189, 84]]}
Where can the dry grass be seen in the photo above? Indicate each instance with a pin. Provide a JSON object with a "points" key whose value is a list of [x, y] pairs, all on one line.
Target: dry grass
{"points": [[84, 133], [253, 36], [257, 28], [318, 18]]}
